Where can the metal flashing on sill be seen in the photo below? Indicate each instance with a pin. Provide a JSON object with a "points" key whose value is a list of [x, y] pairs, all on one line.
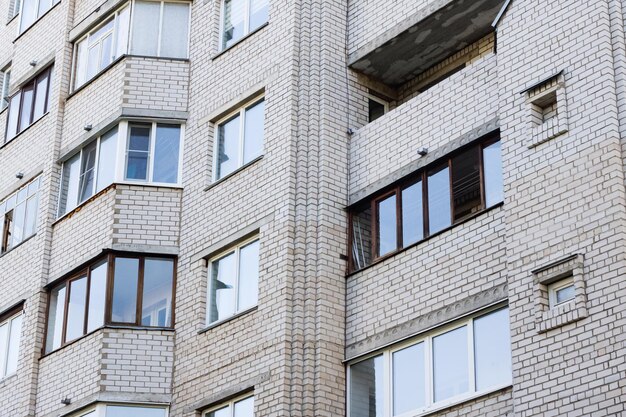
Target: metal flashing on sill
{"points": [[229, 393], [542, 81], [232, 174], [228, 319], [224, 51]]}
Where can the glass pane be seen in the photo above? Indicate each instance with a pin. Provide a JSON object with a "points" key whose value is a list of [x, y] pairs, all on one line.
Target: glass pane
{"points": [[466, 183], [55, 318], [244, 408], [44, 6], [409, 386], [40, 97], [14, 344], [127, 411], [412, 214], [366, 388], [248, 288], [125, 280], [29, 14], [438, 200], [387, 226], [69, 184], [492, 350], [97, 296], [33, 187], [166, 154], [259, 11], [253, 132], [106, 51], [222, 412], [145, 36], [4, 334], [492, 160], [81, 63], [376, 110], [450, 364], [30, 223], [362, 237], [228, 147], [87, 171], [26, 107], [76, 309], [19, 217], [106, 159], [221, 302], [122, 29], [14, 111], [565, 294], [175, 30], [234, 21], [97, 35], [157, 292], [4, 92], [93, 57], [138, 151]]}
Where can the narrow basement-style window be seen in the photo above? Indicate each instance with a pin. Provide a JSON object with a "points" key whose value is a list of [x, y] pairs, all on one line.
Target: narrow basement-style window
{"points": [[241, 17], [444, 367], [233, 281], [427, 202], [29, 104], [239, 138], [242, 406], [141, 292], [10, 336], [19, 215]]}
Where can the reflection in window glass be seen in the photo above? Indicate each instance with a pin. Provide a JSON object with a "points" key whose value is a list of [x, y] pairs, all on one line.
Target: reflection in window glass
{"points": [[87, 172], [565, 294], [248, 287], [438, 199], [367, 388], [228, 147], [450, 364], [492, 161], [69, 184], [157, 292], [124, 302], [387, 224], [145, 28], [76, 309], [106, 159], [466, 183], [15, 336], [253, 132], [244, 408], [175, 30], [409, 387], [55, 318], [138, 152], [166, 149], [412, 214], [234, 21], [222, 412], [492, 350], [221, 301], [97, 296], [259, 13]]}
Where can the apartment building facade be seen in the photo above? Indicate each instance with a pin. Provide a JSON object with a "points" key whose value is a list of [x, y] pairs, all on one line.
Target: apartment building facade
{"points": [[312, 208]]}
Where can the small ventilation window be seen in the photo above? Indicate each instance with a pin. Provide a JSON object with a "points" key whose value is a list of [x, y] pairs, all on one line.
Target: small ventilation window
{"points": [[547, 110]]}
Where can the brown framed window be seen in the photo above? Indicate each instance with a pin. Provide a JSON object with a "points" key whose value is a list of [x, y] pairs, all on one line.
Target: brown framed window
{"points": [[118, 289], [427, 202], [29, 104]]}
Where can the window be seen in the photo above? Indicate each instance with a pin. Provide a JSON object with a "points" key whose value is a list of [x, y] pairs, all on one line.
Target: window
{"points": [[233, 281], [444, 367], [10, 334], [29, 104], [239, 139], [5, 80], [140, 287], [33, 10], [239, 407], [427, 202], [19, 213], [142, 27], [122, 410], [150, 153], [376, 107], [240, 17], [14, 8], [562, 292]]}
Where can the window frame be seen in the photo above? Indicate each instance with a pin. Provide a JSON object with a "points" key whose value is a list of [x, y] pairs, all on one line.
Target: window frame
{"points": [[378, 100], [5, 87], [427, 338], [240, 112], [559, 285], [236, 250], [31, 83], [101, 408], [246, 25], [21, 30], [8, 320], [6, 238], [396, 189], [85, 271], [230, 404]]}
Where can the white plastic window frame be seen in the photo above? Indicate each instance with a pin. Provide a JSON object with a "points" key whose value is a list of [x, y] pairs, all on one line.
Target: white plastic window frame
{"points": [[37, 15], [4, 365], [557, 286], [236, 249], [230, 404], [16, 6], [241, 113], [15, 204], [4, 87], [427, 339], [246, 25], [99, 410], [121, 151]]}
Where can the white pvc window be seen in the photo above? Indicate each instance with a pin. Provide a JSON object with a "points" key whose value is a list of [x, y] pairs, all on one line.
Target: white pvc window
{"points": [[5, 79], [31, 10], [239, 18], [134, 152], [561, 292], [10, 334], [123, 410], [233, 281], [239, 138], [445, 367], [19, 215], [239, 407]]}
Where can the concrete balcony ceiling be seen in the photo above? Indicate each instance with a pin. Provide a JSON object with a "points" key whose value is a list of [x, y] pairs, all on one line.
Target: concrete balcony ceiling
{"points": [[425, 39]]}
